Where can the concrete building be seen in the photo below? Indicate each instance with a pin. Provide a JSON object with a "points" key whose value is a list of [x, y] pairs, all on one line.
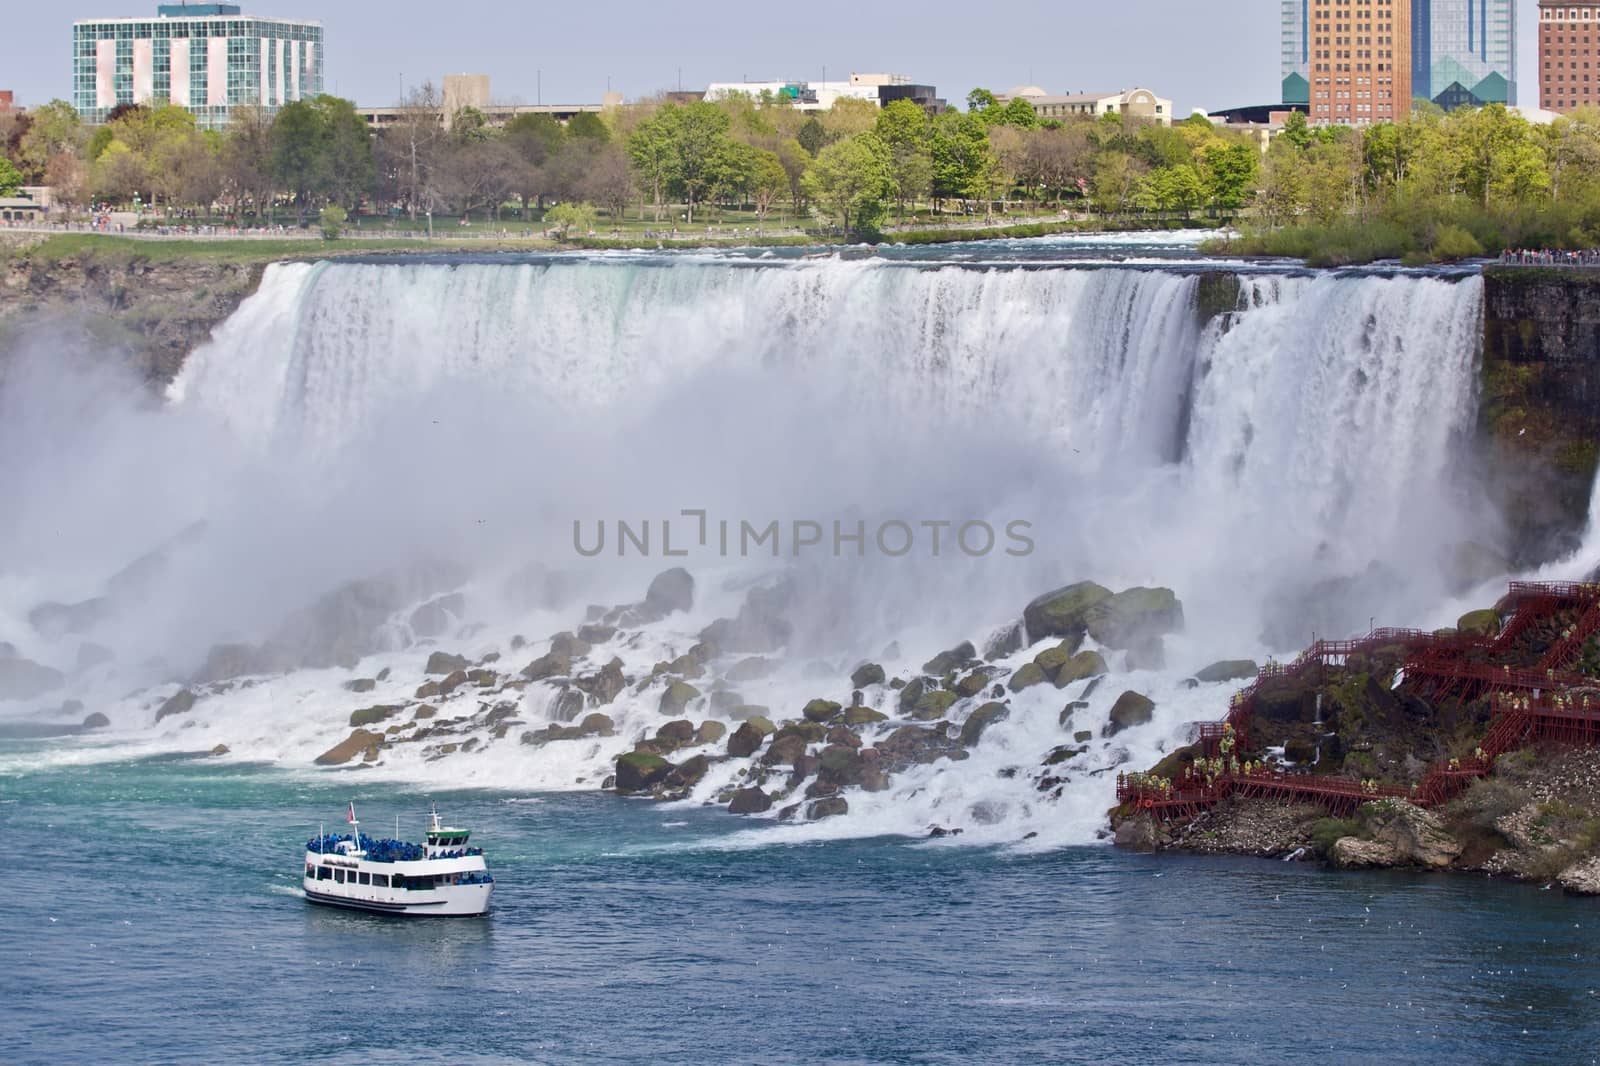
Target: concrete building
{"points": [[1360, 61], [1464, 52], [877, 89], [1569, 54], [1139, 103], [473, 90], [208, 58]]}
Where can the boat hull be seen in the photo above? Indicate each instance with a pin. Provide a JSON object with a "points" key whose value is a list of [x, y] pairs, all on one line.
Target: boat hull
{"points": [[461, 901]]}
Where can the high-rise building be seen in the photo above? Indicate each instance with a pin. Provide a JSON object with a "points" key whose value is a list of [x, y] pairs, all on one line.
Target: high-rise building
{"points": [[1297, 51], [1569, 54], [1359, 55], [1464, 52], [207, 58]]}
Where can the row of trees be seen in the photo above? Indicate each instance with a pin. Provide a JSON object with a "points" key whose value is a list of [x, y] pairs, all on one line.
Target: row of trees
{"points": [[1470, 182], [1487, 171], [854, 163]]}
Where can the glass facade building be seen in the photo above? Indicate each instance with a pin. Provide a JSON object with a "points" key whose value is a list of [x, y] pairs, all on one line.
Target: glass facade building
{"points": [[1464, 52], [1296, 51], [207, 58]]}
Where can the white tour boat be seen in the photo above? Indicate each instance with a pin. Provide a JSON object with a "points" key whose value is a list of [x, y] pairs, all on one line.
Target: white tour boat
{"points": [[391, 876]]}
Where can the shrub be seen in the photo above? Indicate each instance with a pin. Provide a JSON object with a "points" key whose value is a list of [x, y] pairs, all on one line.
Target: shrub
{"points": [[1329, 831], [1452, 243], [333, 218]]}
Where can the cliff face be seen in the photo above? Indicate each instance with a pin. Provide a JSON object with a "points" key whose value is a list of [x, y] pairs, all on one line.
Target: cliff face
{"points": [[1540, 410], [152, 312]]}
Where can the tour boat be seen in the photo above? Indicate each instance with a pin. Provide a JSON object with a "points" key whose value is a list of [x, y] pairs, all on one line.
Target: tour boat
{"points": [[391, 876]]}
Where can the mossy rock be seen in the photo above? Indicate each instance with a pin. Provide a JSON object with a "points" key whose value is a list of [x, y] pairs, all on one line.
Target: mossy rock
{"points": [[866, 675], [444, 663], [1029, 675], [1084, 664], [745, 740], [750, 801], [1228, 670], [974, 683], [953, 659], [1051, 660], [710, 732], [746, 711], [820, 710], [980, 720], [1063, 612], [933, 705], [372, 715], [1124, 620], [1484, 623], [638, 771], [1131, 709], [858, 716], [807, 730], [678, 695], [827, 807]]}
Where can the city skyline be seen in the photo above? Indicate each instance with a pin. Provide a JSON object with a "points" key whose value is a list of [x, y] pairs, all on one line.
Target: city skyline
{"points": [[373, 49]]}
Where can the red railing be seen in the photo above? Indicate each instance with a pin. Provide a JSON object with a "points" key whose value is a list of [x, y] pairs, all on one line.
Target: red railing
{"points": [[1516, 720]]}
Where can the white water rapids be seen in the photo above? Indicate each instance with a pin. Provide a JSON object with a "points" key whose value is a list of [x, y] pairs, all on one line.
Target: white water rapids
{"points": [[1293, 465]]}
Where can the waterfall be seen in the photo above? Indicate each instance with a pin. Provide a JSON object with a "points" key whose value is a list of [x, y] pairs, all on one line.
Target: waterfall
{"points": [[1291, 464]]}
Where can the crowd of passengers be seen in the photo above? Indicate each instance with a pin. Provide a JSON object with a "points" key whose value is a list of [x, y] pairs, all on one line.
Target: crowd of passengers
{"points": [[384, 849]]}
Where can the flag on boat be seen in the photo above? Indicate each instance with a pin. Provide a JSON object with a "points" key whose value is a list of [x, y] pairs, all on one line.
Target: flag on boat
{"points": [[351, 817]]}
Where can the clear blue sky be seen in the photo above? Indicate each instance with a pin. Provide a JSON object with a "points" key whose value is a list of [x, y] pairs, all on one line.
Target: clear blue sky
{"points": [[1211, 55]]}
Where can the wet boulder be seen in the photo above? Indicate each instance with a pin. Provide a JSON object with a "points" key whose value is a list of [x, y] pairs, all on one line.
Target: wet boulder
{"points": [[859, 716], [606, 685], [1228, 670], [980, 720], [1131, 709], [597, 725], [444, 663], [570, 645], [956, 658], [360, 742], [828, 807], [784, 750], [678, 695], [96, 721], [1124, 620], [710, 732], [1084, 664], [1063, 612], [750, 735], [1485, 623], [373, 715], [180, 702], [639, 771], [361, 684], [932, 705], [974, 683], [750, 801], [671, 590], [1004, 642], [676, 733], [447, 685], [596, 634], [866, 675], [821, 711], [1029, 675]]}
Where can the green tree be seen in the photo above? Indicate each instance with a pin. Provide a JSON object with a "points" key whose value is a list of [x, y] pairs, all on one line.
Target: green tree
{"points": [[1019, 113], [961, 158], [979, 100], [908, 132], [768, 181], [813, 135], [698, 132], [571, 216], [851, 181], [10, 177], [332, 218], [1230, 173], [53, 129], [650, 149], [586, 125]]}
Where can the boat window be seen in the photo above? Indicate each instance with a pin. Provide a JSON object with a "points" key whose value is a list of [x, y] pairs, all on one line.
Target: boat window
{"points": [[364, 878], [311, 871], [381, 880], [338, 875], [324, 873]]}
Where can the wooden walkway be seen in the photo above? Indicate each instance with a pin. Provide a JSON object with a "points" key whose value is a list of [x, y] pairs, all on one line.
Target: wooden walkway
{"points": [[1529, 706]]}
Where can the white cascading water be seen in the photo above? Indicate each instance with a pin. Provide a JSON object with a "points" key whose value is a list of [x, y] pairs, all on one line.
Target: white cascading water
{"points": [[476, 410]]}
